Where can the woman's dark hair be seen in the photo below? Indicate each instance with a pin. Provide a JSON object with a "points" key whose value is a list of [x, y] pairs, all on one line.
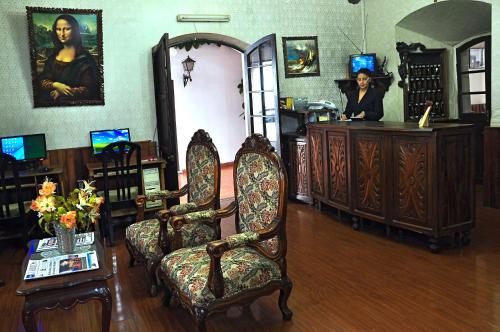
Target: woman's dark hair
{"points": [[365, 71], [76, 37]]}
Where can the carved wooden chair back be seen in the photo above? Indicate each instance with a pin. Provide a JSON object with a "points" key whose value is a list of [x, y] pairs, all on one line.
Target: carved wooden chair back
{"points": [[203, 170], [260, 189], [122, 173]]}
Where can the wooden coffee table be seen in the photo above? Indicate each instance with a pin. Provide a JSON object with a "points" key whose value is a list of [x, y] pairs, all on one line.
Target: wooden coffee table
{"points": [[68, 290]]}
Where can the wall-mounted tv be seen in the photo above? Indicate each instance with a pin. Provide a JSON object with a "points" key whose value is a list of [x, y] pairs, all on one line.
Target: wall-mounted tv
{"points": [[100, 138], [358, 61], [25, 147]]}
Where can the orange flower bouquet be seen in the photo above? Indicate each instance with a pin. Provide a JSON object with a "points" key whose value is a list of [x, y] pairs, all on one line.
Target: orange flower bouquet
{"points": [[78, 210]]}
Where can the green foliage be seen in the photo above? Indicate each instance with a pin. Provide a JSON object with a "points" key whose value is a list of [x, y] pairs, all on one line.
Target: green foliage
{"points": [[195, 43]]}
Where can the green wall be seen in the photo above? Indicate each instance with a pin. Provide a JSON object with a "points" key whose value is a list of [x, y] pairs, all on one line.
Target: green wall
{"points": [[382, 34], [132, 27]]}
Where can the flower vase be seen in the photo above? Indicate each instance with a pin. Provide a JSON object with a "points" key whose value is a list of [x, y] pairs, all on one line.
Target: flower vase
{"points": [[65, 239]]}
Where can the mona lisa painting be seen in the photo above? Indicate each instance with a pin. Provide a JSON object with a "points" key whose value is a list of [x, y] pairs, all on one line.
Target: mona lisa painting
{"points": [[66, 56]]}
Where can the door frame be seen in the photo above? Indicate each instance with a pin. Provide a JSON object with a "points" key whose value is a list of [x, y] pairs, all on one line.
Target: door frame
{"points": [[487, 40]]}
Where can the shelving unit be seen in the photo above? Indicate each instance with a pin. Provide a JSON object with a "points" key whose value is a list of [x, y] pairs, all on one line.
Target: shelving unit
{"points": [[426, 81]]}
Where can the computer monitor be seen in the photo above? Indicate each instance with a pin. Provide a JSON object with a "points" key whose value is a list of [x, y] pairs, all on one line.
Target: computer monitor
{"points": [[25, 147], [99, 139], [359, 61]]}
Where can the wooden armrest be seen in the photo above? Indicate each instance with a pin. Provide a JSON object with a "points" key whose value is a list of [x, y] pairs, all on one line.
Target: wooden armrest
{"points": [[216, 249]]}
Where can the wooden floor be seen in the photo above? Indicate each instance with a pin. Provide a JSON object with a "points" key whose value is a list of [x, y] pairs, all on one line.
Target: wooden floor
{"points": [[343, 281]]}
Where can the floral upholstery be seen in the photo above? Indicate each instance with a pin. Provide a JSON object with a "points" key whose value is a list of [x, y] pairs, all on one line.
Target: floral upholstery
{"points": [[243, 269], [241, 239], [200, 215], [160, 194], [144, 236], [201, 166], [181, 209], [258, 195]]}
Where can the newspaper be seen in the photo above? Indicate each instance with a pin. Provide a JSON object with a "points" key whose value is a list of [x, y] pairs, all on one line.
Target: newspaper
{"points": [[59, 265], [50, 243]]}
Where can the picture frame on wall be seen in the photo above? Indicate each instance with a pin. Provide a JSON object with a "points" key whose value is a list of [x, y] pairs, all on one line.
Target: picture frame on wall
{"points": [[301, 56], [66, 50]]}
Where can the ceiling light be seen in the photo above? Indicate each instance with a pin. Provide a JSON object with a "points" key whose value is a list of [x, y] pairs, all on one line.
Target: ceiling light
{"points": [[203, 18]]}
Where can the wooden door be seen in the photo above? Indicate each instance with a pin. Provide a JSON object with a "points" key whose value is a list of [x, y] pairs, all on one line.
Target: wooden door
{"points": [[165, 114], [261, 90], [474, 93]]}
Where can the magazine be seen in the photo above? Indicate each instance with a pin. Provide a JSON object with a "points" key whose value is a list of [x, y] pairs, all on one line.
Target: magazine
{"points": [[64, 264], [50, 243]]}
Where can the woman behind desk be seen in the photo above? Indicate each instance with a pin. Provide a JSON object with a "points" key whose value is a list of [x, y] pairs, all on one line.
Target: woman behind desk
{"points": [[365, 102]]}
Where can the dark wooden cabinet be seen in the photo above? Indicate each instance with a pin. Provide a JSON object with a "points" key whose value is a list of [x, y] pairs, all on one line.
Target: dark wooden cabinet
{"points": [[297, 156], [420, 179], [492, 167], [426, 81]]}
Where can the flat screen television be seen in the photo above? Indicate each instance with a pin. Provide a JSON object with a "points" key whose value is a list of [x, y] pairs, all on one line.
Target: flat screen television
{"points": [[25, 147], [358, 61], [100, 138]]}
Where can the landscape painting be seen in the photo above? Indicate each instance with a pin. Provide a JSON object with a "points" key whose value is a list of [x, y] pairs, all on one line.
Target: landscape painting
{"points": [[301, 56]]}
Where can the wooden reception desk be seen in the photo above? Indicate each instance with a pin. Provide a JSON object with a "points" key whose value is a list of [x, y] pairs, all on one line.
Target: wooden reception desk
{"points": [[420, 179]]}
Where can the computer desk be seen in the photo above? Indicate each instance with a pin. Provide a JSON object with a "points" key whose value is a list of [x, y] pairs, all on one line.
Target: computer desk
{"points": [[95, 174], [31, 179]]}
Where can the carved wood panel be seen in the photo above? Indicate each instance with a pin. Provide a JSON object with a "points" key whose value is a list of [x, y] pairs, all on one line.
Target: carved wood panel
{"points": [[491, 167], [317, 176], [456, 193], [337, 166], [368, 175], [298, 168], [411, 185]]}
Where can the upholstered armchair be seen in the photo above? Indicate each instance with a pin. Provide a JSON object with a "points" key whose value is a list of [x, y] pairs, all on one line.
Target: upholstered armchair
{"points": [[149, 240], [244, 266]]}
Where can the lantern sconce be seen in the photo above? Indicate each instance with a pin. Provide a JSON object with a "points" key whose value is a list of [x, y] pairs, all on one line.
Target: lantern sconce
{"points": [[188, 65]]}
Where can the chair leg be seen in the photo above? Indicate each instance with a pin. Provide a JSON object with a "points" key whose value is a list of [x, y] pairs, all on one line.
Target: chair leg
{"points": [[167, 296], [285, 291], [111, 235], [131, 256], [151, 267], [200, 316]]}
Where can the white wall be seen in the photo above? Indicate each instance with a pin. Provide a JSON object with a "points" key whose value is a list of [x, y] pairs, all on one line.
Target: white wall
{"points": [[212, 101], [131, 28]]}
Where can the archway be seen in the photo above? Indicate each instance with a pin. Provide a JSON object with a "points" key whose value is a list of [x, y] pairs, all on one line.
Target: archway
{"points": [[211, 100], [449, 24]]}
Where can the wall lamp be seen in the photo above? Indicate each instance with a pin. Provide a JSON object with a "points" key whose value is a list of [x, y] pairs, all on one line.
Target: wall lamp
{"points": [[188, 65], [203, 18]]}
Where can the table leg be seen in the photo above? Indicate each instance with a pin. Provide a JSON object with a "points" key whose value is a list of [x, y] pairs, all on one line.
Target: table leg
{"points": [[106, 304], [29, 319]]}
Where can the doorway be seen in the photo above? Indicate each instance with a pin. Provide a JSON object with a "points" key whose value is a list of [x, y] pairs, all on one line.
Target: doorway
{"points": [[264, 50], [211, 100], [474, 92]]}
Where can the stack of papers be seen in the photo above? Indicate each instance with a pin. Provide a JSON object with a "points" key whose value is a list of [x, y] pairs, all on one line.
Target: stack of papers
{"points": [[50, 243], [64, 264]]}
